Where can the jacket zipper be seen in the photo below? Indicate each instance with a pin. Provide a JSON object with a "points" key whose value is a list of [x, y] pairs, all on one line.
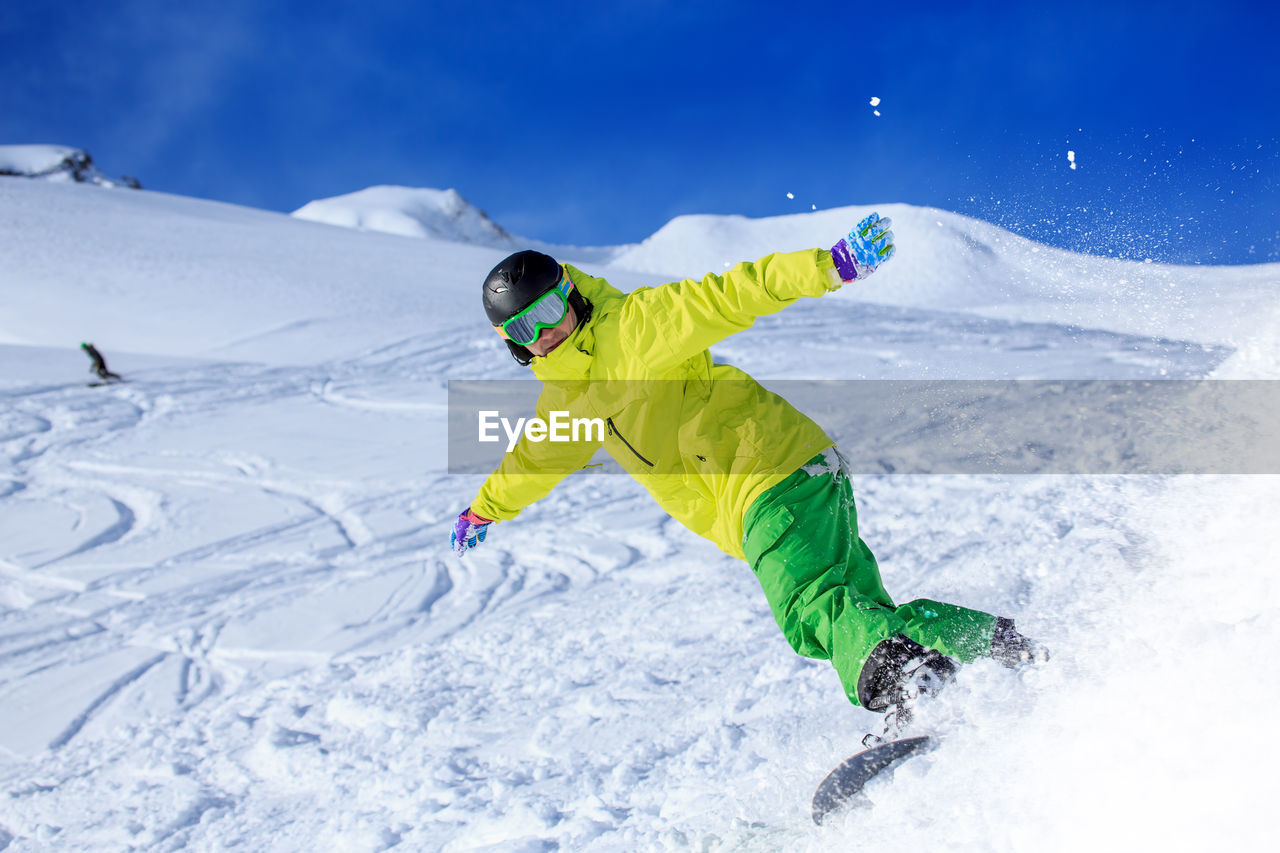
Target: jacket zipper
{"points": [[613, 430]]}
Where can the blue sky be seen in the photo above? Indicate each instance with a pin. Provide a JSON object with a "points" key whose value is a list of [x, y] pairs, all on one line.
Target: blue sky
{"points": [[595, 123]]}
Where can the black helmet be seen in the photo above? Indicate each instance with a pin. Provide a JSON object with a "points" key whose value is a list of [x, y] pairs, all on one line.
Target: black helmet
{"points": [[516, 282]]}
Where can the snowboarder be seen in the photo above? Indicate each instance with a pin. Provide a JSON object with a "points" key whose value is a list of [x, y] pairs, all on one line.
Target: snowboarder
{"points": [[100, 364], [730, 460]]}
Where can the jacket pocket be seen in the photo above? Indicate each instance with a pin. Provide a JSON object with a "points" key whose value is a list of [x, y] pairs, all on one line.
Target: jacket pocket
{"points": [[613, 430]]}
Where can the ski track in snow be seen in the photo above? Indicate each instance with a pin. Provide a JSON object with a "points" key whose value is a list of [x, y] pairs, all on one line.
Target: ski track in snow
{"points": [[315, 650]]}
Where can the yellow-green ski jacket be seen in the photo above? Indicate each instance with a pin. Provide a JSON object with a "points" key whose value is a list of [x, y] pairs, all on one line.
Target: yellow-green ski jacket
{"points": [[705, 439]]}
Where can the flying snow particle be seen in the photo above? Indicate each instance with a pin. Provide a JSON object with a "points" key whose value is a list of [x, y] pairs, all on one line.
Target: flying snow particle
{"points": [[875, 102], [1071, 158], [790, 195], [875, 112]]}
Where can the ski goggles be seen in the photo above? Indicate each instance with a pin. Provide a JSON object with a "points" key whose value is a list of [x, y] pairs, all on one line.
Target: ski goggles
{"points": [[545, 312]]}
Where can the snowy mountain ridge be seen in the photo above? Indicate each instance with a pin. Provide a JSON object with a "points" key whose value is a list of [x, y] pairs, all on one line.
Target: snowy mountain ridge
{"points": [[946, 262], [409, 212], [56, 163]]}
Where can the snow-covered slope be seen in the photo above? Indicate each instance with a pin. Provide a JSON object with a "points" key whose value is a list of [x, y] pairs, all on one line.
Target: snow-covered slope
{"points": [[228, 615], [213, 279], [949, 263], [409, 212]]}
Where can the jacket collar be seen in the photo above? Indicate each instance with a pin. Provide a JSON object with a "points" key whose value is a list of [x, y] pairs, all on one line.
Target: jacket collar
{"points": [[572, 359]]}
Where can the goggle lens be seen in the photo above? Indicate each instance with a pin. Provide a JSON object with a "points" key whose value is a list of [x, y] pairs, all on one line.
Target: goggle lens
{"points": [[546, 312]]}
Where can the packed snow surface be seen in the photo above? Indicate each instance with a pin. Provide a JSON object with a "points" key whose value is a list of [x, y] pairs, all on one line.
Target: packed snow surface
{"points": [[229, 615]]}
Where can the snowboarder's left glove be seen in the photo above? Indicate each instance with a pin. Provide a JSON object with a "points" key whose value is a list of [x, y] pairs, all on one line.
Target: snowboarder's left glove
{"points": [[1014, 649], [468, 531], [866, 247]]}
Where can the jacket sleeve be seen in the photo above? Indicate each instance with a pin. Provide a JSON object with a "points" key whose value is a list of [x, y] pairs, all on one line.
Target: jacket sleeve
{"points": [[675, 321], [530, 471]]}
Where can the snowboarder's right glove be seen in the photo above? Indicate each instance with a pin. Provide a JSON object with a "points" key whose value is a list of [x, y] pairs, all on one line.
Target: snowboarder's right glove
{"points": [[468, 531], [866, 247]]}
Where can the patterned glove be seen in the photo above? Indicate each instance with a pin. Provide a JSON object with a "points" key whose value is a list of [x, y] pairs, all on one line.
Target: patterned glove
{"points": [[468, 531], [868, 246]]}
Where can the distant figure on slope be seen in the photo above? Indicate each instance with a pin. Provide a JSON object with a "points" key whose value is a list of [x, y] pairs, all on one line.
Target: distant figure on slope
{"points": [[730, 460], [100, 364]]}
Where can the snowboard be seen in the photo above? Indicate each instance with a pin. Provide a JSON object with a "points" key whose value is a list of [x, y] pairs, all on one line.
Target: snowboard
{"points": [[844, 783]]}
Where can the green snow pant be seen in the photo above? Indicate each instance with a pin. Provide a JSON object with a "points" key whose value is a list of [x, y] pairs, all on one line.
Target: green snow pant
{"points": [[823, 584]]}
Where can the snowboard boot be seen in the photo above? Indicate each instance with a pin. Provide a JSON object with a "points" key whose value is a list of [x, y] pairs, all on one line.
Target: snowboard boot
{"points": [[1013, 649], [898, 672]]}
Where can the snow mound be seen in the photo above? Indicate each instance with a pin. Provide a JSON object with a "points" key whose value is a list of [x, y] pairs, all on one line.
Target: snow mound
{"points": [[950, 262], [409, 212], [56, 163]]}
